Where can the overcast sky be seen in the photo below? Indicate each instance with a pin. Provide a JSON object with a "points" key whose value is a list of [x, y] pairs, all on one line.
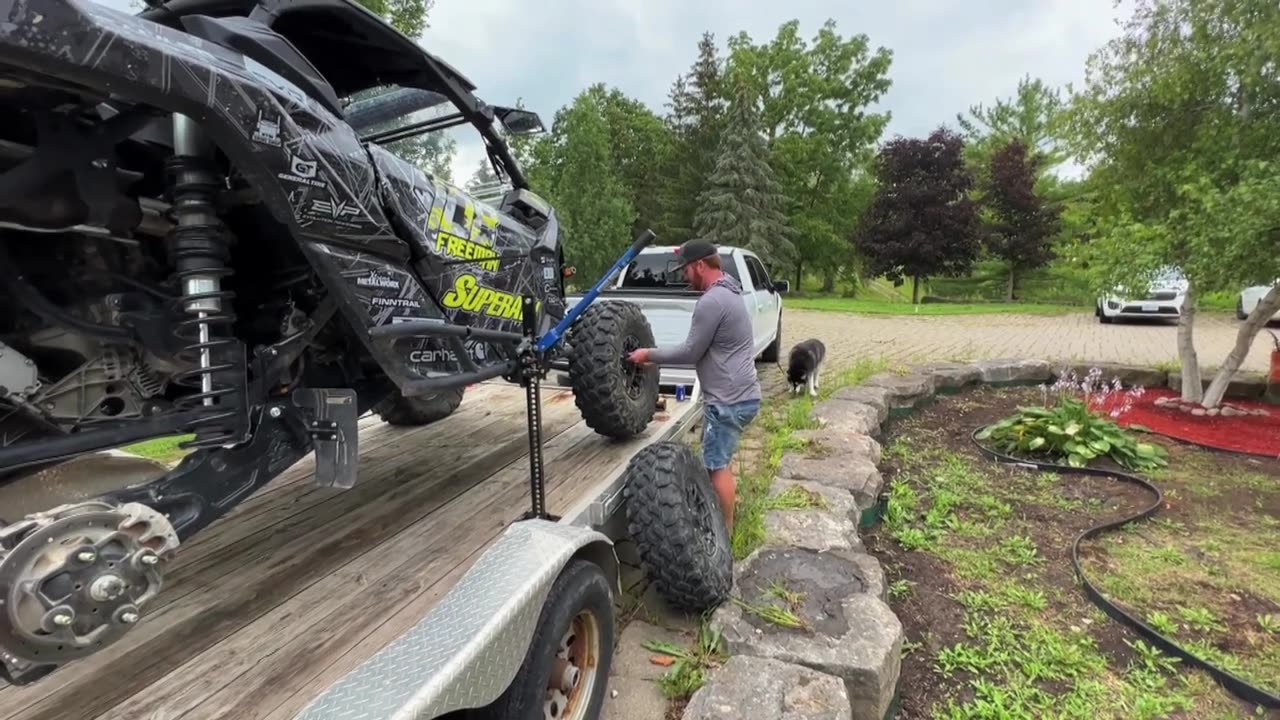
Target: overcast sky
{"points": [[947, 55]]}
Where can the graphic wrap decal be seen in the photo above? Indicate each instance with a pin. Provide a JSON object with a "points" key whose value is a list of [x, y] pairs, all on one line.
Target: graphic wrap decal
{"points": [[477, 258], [387, 293], [264, 123]]}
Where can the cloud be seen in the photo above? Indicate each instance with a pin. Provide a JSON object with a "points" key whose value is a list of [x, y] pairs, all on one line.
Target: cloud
{"points": [[946, 56]]}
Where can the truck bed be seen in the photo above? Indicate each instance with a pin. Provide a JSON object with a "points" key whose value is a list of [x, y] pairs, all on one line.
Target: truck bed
{"points": [[300, 584]]}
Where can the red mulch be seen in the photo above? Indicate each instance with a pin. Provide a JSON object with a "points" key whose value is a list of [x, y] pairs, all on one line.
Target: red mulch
{"points": [[1256, 435]]}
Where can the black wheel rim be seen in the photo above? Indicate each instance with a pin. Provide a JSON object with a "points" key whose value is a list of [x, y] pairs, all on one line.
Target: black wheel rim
{"points": [[633, 373]]}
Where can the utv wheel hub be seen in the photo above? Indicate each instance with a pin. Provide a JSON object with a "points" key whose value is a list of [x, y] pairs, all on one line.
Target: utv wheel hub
{"points": [[74, 579]]}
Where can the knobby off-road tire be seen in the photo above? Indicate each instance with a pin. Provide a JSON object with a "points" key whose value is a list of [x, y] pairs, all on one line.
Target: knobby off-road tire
{"points": [[616, 398], [674, 518], [580, 592], [419, 410]]}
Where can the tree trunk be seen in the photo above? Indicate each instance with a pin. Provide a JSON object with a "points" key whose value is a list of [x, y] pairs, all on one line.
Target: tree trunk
{"points": [[799, 275], [828, 281], [915, 290], [1013, 275], [1267, 307], [1191, 388]]}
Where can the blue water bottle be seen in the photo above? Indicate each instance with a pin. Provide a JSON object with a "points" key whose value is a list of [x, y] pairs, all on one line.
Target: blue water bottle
{"points": [[679, 393]]}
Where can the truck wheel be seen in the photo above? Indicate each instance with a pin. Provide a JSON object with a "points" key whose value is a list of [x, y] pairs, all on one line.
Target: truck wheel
{"points": [[1240, 313], [566, 668], [616, 398], [674, 518], [419, 410], [770, 353]]}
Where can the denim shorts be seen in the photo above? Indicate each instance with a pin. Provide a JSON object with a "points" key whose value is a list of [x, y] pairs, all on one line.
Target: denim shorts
{"points": [[722, 426]]}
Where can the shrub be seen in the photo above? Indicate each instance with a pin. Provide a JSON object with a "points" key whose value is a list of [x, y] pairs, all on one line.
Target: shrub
{"points": [[1071, 428]]}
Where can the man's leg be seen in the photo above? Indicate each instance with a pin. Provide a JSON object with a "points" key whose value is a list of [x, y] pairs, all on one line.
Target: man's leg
{"points": [[723, 426]]}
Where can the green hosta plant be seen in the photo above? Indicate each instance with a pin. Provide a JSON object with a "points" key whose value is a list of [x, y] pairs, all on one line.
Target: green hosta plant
{"points": [[1070, 432]]}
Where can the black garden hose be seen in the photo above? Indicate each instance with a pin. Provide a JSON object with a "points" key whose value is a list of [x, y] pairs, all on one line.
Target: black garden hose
{"points": [[1232, 683]]}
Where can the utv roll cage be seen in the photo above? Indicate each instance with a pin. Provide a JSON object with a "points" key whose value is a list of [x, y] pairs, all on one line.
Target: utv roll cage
{"points": [[339, 48]]}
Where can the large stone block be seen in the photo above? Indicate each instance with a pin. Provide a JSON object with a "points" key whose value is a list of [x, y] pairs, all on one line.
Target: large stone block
{"points": [[876, 397], [905, 391], [846, 417], [823, 443], [852, 473], [1128, 375], [848, 629], [949, 377], [829, 523], [1243, 385], [752, 688], [1014, 371]]}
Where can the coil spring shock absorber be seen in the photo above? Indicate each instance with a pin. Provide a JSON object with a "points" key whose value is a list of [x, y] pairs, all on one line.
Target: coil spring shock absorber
{"points": [[199, 252]]}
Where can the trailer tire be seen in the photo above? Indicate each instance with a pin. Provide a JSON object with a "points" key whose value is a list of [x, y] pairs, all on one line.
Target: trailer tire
{"points": [[419, 410], [616, 398], [579, 607], [674, 518]]}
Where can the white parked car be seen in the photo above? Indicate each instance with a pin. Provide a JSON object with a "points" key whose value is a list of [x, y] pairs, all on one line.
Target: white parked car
{"points": [[1164, 298], [1249, 299]]}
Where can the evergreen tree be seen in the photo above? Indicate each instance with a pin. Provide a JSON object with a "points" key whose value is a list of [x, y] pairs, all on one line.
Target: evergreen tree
{"points": [[697, 114], [742, 203], [483, 177]]}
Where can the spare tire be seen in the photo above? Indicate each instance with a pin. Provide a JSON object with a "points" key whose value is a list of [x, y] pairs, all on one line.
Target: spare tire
{"points": [[419, 410], [616, 398], [674, 518]]}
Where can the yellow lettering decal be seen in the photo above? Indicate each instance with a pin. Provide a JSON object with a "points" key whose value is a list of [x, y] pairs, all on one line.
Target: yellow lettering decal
{"points": [[467, 294]]}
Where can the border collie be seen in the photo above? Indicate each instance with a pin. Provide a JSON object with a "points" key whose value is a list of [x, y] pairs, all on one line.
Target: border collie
{"points": [[805, 367]]}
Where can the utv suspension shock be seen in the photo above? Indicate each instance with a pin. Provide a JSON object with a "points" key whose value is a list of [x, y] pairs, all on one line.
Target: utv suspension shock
{"points": [[199, 249]]}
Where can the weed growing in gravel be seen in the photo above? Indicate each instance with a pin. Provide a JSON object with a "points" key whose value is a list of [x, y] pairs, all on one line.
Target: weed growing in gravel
{"points": [[689, 669]]}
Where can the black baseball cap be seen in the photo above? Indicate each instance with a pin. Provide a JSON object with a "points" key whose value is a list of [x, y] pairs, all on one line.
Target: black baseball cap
{"points": [[692, 251]]}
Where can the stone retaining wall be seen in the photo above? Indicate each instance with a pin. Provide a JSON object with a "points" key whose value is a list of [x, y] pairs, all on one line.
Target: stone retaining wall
{"points": [[849, 654]]}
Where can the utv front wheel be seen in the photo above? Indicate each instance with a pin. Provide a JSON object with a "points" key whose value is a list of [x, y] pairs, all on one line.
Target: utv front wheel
{"points": [[675, 520], [419, 410], [616, 398]]}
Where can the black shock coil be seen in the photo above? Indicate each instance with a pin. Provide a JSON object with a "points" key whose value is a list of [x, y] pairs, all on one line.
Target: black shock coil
{"points": [[199, 250]]}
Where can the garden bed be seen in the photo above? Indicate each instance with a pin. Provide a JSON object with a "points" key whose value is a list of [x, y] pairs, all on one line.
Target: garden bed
{"points": [[977, 560]]}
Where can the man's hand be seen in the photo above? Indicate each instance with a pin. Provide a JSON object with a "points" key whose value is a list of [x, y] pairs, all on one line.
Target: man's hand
{"points": [[640, 356]]}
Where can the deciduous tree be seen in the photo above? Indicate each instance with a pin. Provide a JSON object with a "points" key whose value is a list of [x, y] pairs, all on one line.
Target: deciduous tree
{"points": [[921, 222], [815, 100], [1180, 116], [1021, 225]]}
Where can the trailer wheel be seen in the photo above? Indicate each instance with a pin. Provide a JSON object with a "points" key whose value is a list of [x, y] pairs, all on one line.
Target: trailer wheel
{"points": [[419, 410], [616, 398], [674, 518], [566, 668]]}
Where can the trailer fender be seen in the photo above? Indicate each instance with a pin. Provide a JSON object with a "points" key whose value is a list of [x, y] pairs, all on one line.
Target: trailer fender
{"points": [[467, 649]]}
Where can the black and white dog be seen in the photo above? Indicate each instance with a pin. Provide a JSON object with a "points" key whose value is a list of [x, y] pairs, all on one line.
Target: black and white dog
{"points": [[805, 367]]}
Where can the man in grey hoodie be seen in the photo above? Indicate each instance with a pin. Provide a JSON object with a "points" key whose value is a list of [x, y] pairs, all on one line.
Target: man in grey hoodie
{"points": [[721, 346]]}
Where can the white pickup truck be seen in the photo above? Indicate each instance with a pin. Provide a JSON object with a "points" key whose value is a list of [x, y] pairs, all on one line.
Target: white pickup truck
{"points": [[667, 302]]}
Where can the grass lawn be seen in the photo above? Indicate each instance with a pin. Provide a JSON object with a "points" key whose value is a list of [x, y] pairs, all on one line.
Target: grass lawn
{"points": [[880, 307], [977, 557], [164, 450]]}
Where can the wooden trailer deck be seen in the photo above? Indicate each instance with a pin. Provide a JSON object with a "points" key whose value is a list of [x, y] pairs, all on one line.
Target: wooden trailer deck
{"points": [[300, 584]]}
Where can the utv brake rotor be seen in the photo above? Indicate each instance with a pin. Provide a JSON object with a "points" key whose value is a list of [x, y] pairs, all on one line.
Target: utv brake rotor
{"points": [[74, 579]]}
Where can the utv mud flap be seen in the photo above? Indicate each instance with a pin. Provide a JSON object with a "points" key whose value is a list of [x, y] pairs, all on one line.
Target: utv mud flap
{"points": [[332, 418], [467, 649]]}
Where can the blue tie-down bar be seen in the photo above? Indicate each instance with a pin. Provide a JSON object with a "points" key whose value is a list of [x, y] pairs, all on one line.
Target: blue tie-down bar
{"points": [[553, 335]]}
